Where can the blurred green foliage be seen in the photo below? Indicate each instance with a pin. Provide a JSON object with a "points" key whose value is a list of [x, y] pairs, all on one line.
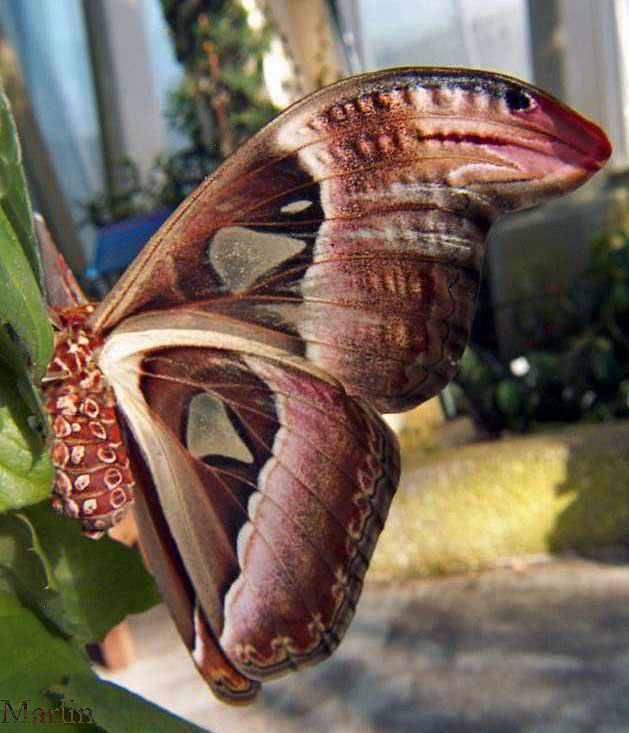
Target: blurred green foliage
{"points": [[131, 198], [576, 365], [221, 100], [219, 103], [222, 53]]}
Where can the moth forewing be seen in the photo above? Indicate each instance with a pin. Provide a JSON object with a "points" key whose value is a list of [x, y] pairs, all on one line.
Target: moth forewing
{"points": [[353, 225]]}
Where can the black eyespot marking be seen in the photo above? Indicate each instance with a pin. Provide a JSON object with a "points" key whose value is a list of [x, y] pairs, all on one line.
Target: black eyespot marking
{"points": [[518, 100]]}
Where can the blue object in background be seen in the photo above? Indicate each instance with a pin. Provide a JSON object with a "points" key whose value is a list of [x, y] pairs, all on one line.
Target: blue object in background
{"points": [[117, 244]]}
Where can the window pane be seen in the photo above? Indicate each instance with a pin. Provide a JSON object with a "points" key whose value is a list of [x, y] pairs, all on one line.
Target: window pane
{"points": [[491, 34], [49, 39]]}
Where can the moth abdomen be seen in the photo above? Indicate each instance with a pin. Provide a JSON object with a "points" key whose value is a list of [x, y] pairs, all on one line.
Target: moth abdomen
{"points": [[93, 481]]}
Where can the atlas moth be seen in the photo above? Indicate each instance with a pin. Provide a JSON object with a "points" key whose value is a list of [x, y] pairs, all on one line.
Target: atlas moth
{"points": [[326, 273]]}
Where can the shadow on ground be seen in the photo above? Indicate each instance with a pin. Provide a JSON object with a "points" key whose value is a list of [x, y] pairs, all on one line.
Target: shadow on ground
{"points": [[597, 479]]}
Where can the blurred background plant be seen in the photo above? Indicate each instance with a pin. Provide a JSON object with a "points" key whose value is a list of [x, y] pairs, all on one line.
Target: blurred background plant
{"points": [[131, 198], [219, 102], [576, 366]]}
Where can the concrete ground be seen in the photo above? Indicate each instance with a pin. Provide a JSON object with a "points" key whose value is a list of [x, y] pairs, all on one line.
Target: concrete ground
{"points": [[539, 648]]}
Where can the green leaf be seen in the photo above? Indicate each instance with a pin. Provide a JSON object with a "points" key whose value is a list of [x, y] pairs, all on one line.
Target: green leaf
{"points": [[14, 198], [12, 357], [25, 571], [25, 334], [21, 303], [87, 570], [12, 368], [119, 711], [34, 658], [25, 471]]}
